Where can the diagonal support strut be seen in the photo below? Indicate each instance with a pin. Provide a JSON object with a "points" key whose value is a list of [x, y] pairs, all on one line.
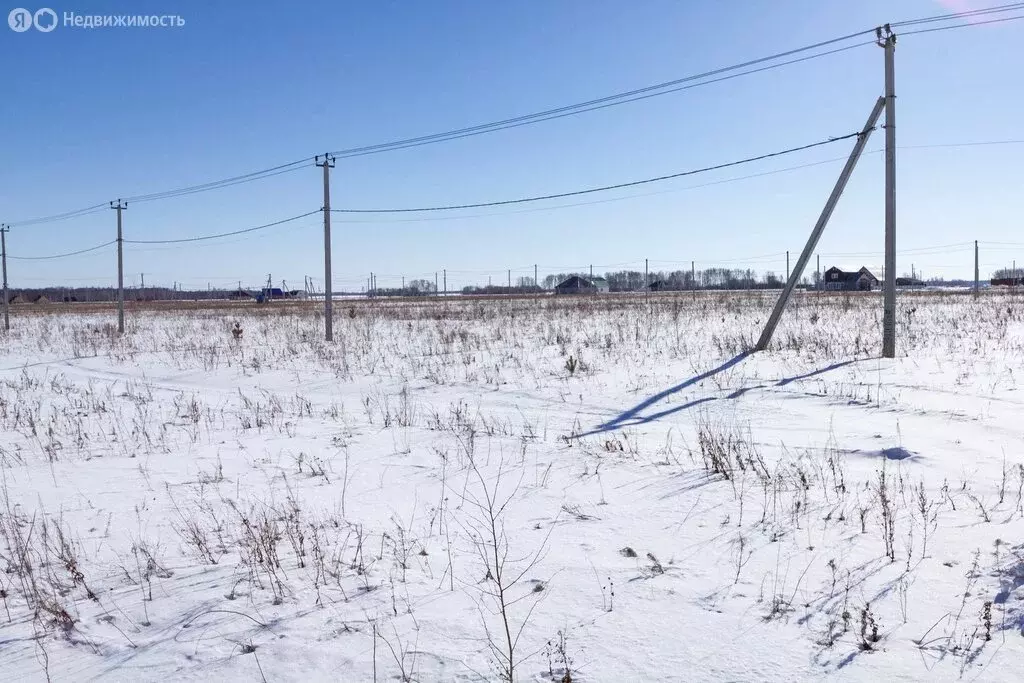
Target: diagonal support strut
{"points": [[819, 227]]}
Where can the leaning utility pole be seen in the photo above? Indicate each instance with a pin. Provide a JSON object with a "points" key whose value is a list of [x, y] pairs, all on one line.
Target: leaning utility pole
{"points": [[819, 227], [887, 40], [120, 206], [3, 252], [327, 163]]}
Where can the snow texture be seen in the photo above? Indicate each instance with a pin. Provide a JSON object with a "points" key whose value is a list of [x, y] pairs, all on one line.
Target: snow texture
{"points": [[613, 485]]}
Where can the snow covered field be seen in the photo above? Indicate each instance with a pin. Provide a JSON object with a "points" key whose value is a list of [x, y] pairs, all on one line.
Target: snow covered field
{"points": [[468, 490]]}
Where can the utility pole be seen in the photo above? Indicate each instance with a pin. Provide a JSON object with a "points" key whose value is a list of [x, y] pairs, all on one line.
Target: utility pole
{"points": [[444, 281], [647, 277], [120, 206], [327, 163], [787, 265], [889, 317], [3, 252], [591, 271], [435, 283], [536, 282], [693, 278], [510, 279]]}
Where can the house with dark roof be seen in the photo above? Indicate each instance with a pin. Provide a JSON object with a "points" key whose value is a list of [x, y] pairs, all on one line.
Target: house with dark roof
{"points": [[277, 293], [861, 280], [582, 285]]}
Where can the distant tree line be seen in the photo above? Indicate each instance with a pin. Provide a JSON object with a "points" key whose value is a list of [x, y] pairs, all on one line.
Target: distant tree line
{"points": [[101, 294], [680, 280]]}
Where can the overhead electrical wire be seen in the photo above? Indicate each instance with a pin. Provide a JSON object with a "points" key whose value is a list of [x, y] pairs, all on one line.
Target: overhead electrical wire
{"points": [[547, 208], [603, 188], [964, 14], [202, 238], [976, 23], [70, 253], [218, 184], [665, 87], [603, 102]]}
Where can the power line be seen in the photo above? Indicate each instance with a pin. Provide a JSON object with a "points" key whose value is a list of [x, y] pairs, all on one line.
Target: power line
{"points": [[594, 105], [665, 87], [581, 107], [55, 256], [219, 184], [966, 14], [605, 188], [976, 23], [62, 216], [225, 234]]}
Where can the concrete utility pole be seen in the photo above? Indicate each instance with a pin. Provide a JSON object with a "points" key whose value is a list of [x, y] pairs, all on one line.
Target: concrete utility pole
{"points": [[435, 283], [7, 303], [887, 40], [510, 278], [536, 282], [647, 277], [120, 206], [693, 278], [444, 279], [327, 163], [787, 264], [819, 227]]}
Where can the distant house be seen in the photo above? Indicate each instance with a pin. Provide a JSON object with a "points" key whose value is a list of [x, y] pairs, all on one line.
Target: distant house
{"points": [[1007, 281], [41, 299], [850, 281], [276, 293], [658, 286], [909, 282], [240, 294], [17, 299], [582, 285]]}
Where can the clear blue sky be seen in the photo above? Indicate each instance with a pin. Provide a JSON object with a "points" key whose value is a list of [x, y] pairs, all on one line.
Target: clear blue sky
{"points": [[91, 115]]}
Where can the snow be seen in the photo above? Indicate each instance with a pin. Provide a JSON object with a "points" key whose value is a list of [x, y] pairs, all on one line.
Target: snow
{"points": [[180, 505]]}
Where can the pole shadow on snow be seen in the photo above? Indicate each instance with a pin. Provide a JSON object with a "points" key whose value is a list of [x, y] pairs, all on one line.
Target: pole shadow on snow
{"points": [[820, 371], [632, 416]]}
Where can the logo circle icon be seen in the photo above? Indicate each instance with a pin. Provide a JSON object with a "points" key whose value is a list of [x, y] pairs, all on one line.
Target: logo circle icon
{"points": [[20, 19], [45, 20]]}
